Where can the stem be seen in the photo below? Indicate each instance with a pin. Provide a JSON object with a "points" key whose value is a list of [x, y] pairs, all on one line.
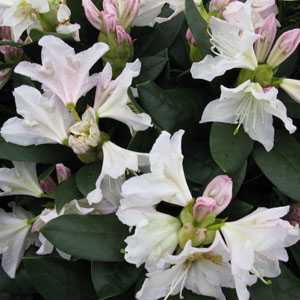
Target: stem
{"points": [[204, 14]]}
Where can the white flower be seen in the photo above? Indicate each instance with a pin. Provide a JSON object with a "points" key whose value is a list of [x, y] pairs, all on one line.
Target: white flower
{"points": [[240, 14], [75, 207], [65, 27], [251, 106], [14, 231], [21, 15], [116, 161], [166, 181], [64, 73], [204, 271], [45, 119], [85, 134], [155, 236], [112, 100], [257, 243], [233, 49], [292, 88], [151, 9], [21, 180]]}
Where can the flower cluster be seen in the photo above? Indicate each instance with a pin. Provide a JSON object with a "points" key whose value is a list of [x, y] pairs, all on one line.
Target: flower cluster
{"points": [[78, 108]]}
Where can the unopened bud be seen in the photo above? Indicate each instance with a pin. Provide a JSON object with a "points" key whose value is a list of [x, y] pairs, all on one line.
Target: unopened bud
{"points": [[48, 185], [284, 47], [219, 189], [294, 215], [120, 48], [267, 35], [92, 13], [203, 207], [10, 53], [292, 88], [62, 173]]}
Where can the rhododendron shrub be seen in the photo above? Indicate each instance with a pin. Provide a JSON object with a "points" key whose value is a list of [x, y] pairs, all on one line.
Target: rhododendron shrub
{"points": [[149, 149]]}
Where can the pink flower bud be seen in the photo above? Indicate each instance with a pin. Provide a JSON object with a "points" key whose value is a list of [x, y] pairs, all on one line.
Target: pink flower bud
{"points": [[190, 38], [122, 35], [9, 52], [109, 22], [294, 215], [92, 13], [48, 185], [220, 189], [267, 35], [285, 46], [62, 173], [203, 207], [110, 7], [292, 88]]}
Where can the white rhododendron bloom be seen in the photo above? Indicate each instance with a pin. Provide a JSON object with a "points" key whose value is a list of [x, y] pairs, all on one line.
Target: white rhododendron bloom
{"points": [[14, 238], [251, 106], [112, 99], [85, 134], [166, 181], [292, 88], [20, 180], [45, 119], [21, 15], [232, 47], [116, 160], [64, 26], [155, 236], [63, 72], [257, 243], [203, 271]]}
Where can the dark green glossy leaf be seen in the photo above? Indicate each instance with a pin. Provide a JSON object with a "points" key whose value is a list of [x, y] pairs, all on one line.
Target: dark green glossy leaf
{"points": [[66, 192], [98, 238], [113, 279], [86, 177], [153, 40], [58, 279], [228, 150], [171, 110], [47, 154], [282, 165], [198, 26], [152, 66]]}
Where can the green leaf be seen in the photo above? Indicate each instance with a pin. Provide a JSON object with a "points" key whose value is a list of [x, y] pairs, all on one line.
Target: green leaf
{"points": [[87, 176], [113, 279], [37, 34], [58, 279], [160, 37], [238, 209], [152, 66], [229, 151], [47, 154], [282, 165], [66, 192], [198, 26], [97, 238], [295, 250], [284, 287], [171, 110]]}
